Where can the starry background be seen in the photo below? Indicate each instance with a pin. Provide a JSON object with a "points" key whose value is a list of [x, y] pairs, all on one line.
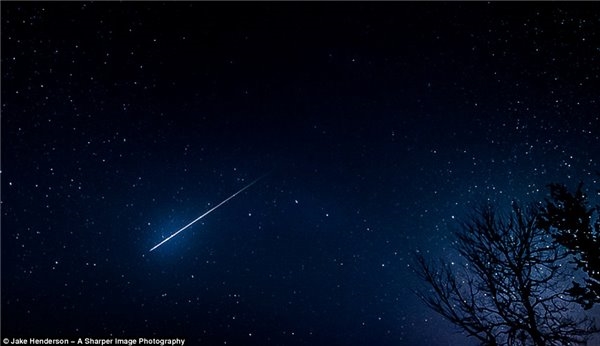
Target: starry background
{"points": [[378, 125]]}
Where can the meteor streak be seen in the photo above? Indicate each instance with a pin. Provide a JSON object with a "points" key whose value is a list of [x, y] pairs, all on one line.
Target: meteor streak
{"points": [[203, 215]]}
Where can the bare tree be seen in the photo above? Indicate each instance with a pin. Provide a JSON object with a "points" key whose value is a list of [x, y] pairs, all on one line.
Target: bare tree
{"points": [[576, 226], [509, 289]]}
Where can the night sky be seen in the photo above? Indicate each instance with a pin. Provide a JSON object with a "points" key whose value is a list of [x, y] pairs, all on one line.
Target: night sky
{"points": [[378, 126]]}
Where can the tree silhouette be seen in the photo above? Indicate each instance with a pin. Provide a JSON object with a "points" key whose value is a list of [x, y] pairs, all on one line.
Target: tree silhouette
{"points": [[576, 226], [509, 290]]}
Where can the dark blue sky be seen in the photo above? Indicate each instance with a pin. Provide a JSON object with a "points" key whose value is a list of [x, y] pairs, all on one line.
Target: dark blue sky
{"points": [[380, 124]]}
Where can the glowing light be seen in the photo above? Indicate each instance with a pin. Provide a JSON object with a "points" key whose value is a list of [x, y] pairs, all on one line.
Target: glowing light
{"points": [[203, 215]]}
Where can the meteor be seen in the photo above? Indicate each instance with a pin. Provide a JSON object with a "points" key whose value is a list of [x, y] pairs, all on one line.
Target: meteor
{"points": [[203, 215]]}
